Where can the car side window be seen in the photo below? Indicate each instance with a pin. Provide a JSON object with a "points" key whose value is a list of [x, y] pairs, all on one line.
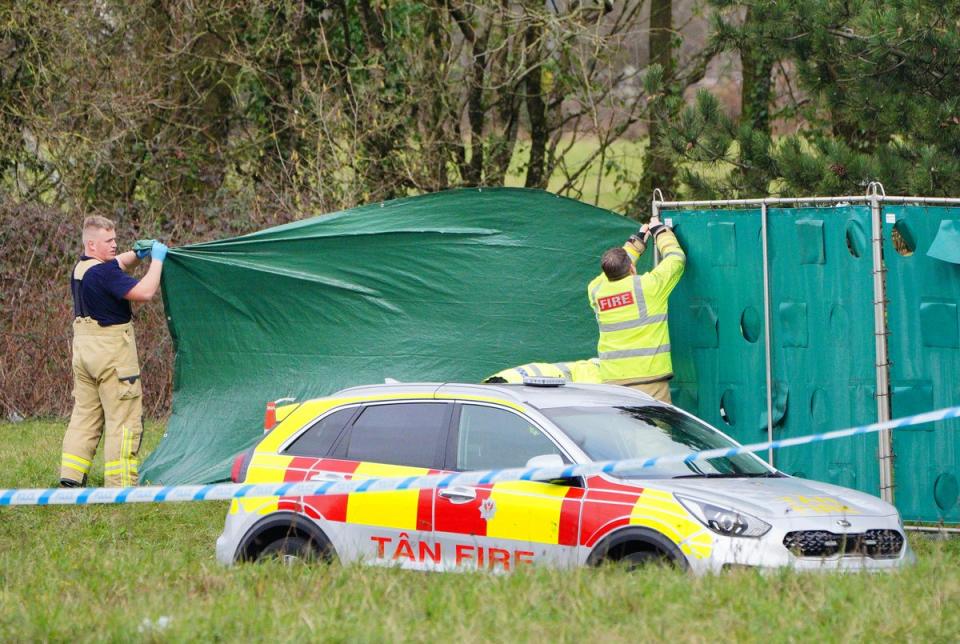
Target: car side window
{"points": [[491, 438], [318, 440], [411, 434]]}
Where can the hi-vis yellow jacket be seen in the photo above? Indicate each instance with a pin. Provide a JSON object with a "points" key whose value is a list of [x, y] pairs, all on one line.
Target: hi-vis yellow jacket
{"points": [[634, 345], [574, 371]]}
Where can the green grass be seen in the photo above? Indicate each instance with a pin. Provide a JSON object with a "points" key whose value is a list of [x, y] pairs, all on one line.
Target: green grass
{"points": [[109, 573]]}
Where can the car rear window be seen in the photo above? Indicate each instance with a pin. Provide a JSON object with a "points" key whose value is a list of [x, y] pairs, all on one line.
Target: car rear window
{"points": [[411, 434], [318, 440]]}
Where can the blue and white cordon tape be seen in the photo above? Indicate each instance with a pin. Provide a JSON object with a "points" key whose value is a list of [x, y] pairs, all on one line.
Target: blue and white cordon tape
{"points": [[226, 491]]}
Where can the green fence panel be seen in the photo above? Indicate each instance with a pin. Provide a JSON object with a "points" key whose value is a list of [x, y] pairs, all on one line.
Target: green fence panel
{"points": [[924, 346], [716, 321], [821, 338], [821, 277]]}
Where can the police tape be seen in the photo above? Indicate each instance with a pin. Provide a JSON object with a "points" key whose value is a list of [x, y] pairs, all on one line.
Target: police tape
{"points": [[227, 491]]}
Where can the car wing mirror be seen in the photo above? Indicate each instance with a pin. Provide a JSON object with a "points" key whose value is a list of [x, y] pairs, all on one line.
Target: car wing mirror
{"points": [[553, 460], [546, 460]]}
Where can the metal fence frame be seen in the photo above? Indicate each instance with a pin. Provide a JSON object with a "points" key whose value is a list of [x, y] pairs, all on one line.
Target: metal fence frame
{"points": [[876, 198]]}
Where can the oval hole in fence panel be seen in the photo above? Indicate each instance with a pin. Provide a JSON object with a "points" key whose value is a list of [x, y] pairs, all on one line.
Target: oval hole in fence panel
{"points": [[750, 324], [945, 491], [856, 238], [903, 238], [728, 408]]}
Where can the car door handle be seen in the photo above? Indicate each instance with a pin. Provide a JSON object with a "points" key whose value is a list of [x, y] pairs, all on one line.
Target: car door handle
{"points": [[458, 494], [328, 476]]}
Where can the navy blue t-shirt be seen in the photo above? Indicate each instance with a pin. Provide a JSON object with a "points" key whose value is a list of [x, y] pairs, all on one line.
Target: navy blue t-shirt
{"points": [[101, 291]]}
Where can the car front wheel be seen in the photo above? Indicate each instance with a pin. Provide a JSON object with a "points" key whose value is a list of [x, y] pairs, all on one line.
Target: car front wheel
{"points": [[290, 550], [644, 558]]}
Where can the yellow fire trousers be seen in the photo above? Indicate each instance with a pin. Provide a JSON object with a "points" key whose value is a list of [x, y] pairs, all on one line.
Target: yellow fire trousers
{"points": [[107, 401], [659, 389]]}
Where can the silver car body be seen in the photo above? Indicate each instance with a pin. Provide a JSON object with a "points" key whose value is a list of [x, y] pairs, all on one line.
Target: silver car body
{"points": [[829, 517]]}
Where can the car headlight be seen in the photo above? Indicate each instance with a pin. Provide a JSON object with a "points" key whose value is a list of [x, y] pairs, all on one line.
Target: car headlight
{"points": [[725, 521]]}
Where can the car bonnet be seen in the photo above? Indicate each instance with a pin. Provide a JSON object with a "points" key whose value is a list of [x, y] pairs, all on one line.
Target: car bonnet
{"points": [[785, 497]]}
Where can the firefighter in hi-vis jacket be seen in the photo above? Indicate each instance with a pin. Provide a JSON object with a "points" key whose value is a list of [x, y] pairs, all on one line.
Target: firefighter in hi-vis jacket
{"points": [[631, 311], [587, 371], [106, 370]]}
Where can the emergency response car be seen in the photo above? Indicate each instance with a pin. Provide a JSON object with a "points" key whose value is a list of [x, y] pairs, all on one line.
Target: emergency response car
{"points": [[703, 515]]}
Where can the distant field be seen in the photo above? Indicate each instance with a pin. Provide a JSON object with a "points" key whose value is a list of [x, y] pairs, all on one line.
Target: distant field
{"points": [[609, 182], [598, 184], [117, 573]]}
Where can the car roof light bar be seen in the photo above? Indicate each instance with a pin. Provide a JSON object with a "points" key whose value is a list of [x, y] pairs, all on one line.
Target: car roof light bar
{"points": [[544, 381]]}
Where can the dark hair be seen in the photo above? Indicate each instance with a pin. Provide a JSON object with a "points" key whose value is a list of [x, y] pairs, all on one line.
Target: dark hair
{"points": [[616, 263]]}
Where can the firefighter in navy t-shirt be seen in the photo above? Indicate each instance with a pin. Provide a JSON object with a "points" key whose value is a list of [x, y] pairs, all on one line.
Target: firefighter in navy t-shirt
{"points": [[106, 370]]}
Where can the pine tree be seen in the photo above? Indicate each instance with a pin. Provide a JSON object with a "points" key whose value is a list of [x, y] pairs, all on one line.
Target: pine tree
{"points": [[878, 98]]}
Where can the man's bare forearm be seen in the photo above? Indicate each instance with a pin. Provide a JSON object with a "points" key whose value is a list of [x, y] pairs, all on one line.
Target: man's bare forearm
{"points": [[128, 259], [147, 287]]}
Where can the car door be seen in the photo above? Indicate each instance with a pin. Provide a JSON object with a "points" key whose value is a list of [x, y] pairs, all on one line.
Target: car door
{"points": [[310, 461], [503, 526], [386, 440], [395, 439]]}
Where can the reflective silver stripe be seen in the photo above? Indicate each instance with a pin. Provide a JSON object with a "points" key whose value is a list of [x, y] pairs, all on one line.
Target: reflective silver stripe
{"points": [[593, 293], [593, 301], [680, 255], [535, 369], [564, 369], [523, 372], [638, 296], [635, 353], [632, 324]]}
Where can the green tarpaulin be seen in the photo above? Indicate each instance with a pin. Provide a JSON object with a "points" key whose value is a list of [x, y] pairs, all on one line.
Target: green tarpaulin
{"points": [[448, 286]]}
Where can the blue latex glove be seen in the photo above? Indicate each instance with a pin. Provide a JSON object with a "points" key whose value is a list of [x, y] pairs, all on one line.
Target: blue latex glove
{"points": [[143, 246], [158, 251]]}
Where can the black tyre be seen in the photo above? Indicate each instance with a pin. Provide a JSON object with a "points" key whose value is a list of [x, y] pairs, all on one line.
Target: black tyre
{"points": [[636, 547], [290, 550], [643, 559]]}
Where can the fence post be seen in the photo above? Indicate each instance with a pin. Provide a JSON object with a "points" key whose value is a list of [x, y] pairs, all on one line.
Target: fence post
{"points": [[766, 327], [885, 446], [655, 214]]}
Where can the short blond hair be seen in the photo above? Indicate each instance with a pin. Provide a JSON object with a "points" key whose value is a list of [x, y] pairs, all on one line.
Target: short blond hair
{"points": [[95, 222]]}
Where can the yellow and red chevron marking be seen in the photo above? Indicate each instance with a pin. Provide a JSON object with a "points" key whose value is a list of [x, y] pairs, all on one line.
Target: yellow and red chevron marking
{"points": [[519, 510], [609, 505], [400, 509], [331, 507], [660, 511], [263, 468], [606, 506]]}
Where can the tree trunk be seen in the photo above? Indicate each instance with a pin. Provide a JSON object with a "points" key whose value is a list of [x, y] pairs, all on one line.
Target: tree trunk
{"points": [[756, 90], [658, 169], [536, 109], [476, 113]]}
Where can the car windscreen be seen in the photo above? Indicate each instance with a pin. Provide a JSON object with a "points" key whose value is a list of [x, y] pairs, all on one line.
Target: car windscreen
{"points": [[612, 433]]}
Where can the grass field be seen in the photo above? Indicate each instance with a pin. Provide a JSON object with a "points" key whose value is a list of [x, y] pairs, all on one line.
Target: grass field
{"points": [[597, 185], [118, 573]]}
